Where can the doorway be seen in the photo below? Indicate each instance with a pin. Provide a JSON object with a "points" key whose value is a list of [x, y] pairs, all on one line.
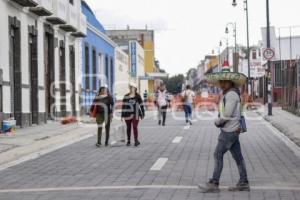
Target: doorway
{"points": [[62, 78], [33, 70], [49, 72], [73, 80], [15, 66]]}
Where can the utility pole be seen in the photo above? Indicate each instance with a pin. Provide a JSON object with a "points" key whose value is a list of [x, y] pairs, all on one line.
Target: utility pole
{"points": [[269, 76]]}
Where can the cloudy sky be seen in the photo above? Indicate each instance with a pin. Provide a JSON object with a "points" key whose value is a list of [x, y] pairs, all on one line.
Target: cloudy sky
{"points": [[188, 30]]}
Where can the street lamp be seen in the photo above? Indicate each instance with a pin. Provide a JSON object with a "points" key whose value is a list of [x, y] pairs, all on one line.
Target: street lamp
{"points": [[219, 57], [235, 68], [234, 3], [227, 48]]}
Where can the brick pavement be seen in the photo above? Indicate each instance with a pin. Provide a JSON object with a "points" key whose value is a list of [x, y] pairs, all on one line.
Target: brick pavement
{"points": [[81, 171]]}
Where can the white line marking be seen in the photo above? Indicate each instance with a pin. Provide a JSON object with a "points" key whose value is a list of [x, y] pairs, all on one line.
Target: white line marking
{"points": [[177, 140], [176, 187], [186, 127], [158, 165]]}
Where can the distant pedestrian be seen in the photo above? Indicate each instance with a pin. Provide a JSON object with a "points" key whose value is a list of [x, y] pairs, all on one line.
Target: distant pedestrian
{"points": [[188, 97], [230, 124], [132, 111], [103, 103], [145, 95], [163, 102]]}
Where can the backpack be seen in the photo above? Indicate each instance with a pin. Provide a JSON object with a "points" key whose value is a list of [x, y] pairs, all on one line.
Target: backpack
{"points": [[243, 124]]}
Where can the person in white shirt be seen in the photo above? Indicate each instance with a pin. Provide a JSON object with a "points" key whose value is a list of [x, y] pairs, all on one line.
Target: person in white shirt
{"points": [[162, 101], [188, 99]]}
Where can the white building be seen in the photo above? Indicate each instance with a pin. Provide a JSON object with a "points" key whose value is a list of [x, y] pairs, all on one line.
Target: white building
{"points": [[122, 75], [40, 59]]}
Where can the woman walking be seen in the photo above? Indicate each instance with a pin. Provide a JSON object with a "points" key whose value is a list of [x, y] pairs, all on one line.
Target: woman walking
{"points": [[103, 104], [132, 111]]}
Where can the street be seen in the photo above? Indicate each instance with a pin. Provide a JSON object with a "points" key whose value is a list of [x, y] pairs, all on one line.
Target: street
{"points": [[169, 164]]}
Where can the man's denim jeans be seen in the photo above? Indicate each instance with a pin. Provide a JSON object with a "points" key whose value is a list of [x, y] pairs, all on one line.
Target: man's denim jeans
{"points": [[229, 142]]}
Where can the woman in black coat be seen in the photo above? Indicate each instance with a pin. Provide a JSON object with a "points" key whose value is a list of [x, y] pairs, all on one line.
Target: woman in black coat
{"points": [[132, 111], [104, 112]]}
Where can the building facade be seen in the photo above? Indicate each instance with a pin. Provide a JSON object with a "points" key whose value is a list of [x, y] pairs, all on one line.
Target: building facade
{"points": [[146, 40], [98, 66], [122, 73], [41, 63]]}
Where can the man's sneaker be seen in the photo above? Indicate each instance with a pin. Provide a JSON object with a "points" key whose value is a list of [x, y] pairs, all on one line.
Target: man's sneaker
{"points": [[210, 187], [240, 186]]}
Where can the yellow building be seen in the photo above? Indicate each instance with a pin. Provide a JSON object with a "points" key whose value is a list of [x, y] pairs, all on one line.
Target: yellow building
{"points": [[146, 40]]}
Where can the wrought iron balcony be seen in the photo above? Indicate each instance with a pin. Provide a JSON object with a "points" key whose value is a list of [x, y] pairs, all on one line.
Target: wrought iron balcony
{"points": [[26, 3], [43, 9], [59, 12]]}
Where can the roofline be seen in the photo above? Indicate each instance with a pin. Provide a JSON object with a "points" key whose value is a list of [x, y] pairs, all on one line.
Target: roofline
{"points": [[102, 35]]}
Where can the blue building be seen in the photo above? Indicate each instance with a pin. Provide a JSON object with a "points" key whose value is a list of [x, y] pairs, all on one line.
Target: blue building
{"points": [[98, 53]]}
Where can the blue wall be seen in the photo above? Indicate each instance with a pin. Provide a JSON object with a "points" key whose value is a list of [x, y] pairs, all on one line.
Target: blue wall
{"points": [[96, 43]]}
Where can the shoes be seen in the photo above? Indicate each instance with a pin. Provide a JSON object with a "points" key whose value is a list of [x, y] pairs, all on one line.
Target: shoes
{"points": [[98, 145], [159, 122], [240, 186], [190, 121], [210, 187], [164, 124], [106, 144], [128, 143], [137, 143]]}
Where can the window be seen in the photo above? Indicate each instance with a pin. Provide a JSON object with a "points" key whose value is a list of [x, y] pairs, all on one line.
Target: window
{"points": [[94, 69], [254, 56], [71, 2], [278, 77], [87, 67]]}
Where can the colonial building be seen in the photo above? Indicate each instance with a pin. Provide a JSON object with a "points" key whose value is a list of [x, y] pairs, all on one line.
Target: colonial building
{"points": [[40, 59], [98, 66]]}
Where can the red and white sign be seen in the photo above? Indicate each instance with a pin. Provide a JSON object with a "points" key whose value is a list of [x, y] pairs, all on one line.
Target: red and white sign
{"points": [[269, 53]]}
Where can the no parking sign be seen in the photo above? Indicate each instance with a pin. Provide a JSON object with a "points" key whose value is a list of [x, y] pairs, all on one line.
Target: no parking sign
{"points": [[269, 53]]}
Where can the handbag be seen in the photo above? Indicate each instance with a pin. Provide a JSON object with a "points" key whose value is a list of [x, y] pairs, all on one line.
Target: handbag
{"points": [[94, 111]]}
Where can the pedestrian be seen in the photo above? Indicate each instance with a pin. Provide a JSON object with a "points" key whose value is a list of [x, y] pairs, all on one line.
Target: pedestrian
{"points": [[162, 102], [145, 95], [188, 99], [229, 122], [103, 103], [132, 111]]}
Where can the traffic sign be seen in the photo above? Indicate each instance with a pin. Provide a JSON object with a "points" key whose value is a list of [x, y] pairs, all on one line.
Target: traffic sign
{"points": [[269, 53]]}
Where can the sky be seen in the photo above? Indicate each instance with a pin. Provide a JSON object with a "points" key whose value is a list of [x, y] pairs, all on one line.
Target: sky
{"points": [[186, 31]]}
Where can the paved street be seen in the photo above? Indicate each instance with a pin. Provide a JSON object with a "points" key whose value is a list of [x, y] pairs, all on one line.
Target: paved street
{"points": [[168, 165]]}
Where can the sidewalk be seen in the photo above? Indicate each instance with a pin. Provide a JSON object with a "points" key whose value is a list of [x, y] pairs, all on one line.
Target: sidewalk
{"points": [[32, 142], [285, 122]]}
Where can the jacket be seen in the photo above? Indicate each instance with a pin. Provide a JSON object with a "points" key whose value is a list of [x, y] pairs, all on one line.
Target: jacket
{"points": [[132, 106], [104, 104], [229, 112]]}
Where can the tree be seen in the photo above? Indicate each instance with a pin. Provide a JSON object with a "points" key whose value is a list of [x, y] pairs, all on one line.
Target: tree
{"points": [[174, 83]]}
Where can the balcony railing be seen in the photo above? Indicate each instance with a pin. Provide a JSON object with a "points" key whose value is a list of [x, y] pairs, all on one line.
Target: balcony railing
{"points": [[26, 3], [44, 8], [59, 12], [72, 19], [81, 27]]}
